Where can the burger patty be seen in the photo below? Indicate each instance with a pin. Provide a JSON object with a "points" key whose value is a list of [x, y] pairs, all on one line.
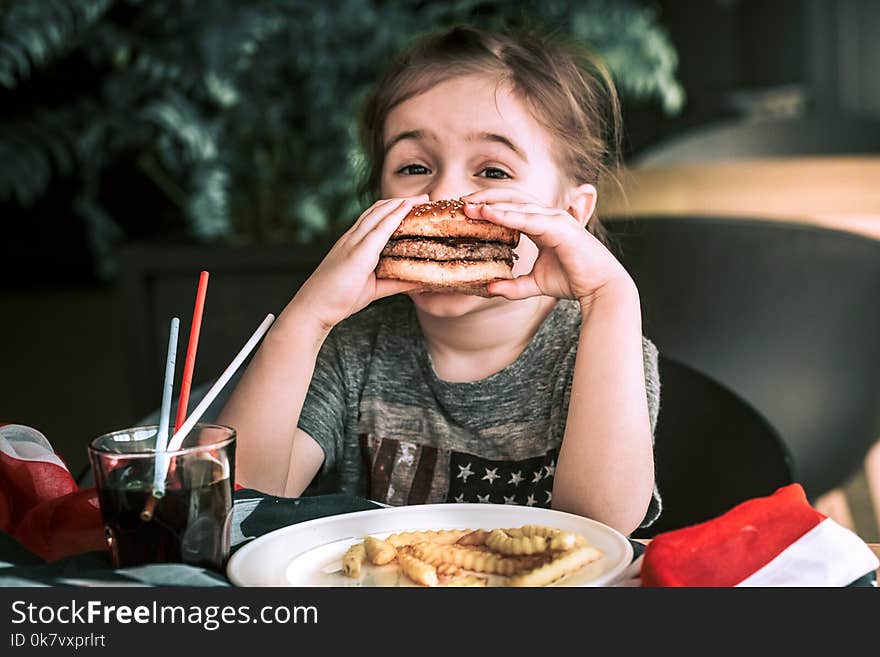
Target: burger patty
{"points": [[448, 250]]}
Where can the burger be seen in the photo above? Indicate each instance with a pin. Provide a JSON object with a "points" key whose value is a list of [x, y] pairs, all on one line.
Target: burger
{"points": [[444, 250]]}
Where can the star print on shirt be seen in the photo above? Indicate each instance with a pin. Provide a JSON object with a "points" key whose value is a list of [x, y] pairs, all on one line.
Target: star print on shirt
{"points": [[491, 475], [464, 472], [549, 496], [550, 469], [472, 479]]}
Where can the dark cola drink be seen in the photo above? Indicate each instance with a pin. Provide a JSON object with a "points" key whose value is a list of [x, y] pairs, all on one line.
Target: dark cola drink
{"points": [[189, 524]]}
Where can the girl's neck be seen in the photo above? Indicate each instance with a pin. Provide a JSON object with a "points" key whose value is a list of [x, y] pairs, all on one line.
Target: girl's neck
{"points": [[482, 343]]}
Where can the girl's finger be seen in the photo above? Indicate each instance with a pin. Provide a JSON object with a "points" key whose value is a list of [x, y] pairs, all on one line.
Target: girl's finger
{"points": [[368, 220], [521, 287], [381, 230], [500, 195], [472, 210], [370, 211], [385, 287], [376, 213], [545, 230]]}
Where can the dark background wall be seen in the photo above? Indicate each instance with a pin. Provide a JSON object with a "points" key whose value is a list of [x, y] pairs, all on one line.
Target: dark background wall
{"points": [[820, 55]]}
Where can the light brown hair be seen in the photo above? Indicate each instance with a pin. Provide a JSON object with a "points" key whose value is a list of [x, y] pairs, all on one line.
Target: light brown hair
{"points": [[568, 90]]}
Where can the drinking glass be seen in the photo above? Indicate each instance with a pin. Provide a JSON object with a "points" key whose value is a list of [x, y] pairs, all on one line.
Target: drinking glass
{"points": [[190, 521]]}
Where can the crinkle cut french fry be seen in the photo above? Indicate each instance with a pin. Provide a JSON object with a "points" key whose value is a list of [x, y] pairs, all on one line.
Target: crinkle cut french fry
{"points": [[562, 565], [379, 552], [476, 537], [353, 559], [531, 555], [417, 570], [442, 536], [559, 539], [564, 541], [476, 560], [501, 541], [447, 570]]}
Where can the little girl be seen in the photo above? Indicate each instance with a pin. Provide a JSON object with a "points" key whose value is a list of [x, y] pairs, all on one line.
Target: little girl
{"points": [[545, 393]]}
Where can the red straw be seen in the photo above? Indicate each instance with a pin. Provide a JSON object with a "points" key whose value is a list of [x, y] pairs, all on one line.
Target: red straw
{"points": [[191, 348]]}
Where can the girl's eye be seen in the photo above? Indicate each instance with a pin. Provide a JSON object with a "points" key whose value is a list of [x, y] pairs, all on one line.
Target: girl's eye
{"points": [[494, 172], [414, 170]]}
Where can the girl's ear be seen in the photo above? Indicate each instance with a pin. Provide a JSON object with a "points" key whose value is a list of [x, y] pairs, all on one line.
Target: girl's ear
{"points": [[582, 203]]}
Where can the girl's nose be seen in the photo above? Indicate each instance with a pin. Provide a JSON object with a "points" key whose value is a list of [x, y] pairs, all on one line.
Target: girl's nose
{"points": [[450, 186]]}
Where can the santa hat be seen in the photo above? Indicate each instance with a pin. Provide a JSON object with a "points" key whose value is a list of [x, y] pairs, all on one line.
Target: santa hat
{"points": [[40, 503], [778, 540]]}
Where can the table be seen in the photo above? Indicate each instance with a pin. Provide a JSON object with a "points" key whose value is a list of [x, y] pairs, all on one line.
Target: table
{"points": [[836, 192], [255, 514]]}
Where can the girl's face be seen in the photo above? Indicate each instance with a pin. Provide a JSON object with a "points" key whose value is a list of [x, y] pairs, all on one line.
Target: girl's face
{"points": [[461, 136]]}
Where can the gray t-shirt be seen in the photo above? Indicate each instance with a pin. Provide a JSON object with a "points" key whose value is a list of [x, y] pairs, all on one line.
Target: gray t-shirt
{"points": [[392, 431]]}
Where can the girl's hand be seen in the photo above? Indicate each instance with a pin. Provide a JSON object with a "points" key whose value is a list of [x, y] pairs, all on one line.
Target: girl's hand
{"points": [[345, 281], [571, 263]]}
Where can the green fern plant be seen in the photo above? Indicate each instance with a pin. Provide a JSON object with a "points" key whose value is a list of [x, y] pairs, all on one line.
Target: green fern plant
{"points": [[240, 115]]}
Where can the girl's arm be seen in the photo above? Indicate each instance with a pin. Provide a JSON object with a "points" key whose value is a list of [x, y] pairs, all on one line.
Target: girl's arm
{"points": [[272, 454], [606, 465]]}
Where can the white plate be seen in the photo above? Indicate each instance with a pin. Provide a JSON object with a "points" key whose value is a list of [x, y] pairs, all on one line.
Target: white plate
{"points": [[310, 553]]}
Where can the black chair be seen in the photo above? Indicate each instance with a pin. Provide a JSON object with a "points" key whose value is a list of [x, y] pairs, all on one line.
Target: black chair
{"points": [[712, 450], [723, 141], [784, 314]]}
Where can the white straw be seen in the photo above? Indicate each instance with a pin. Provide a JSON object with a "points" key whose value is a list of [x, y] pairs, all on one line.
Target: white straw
{"points": [[199, 410], [165, 412]]}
